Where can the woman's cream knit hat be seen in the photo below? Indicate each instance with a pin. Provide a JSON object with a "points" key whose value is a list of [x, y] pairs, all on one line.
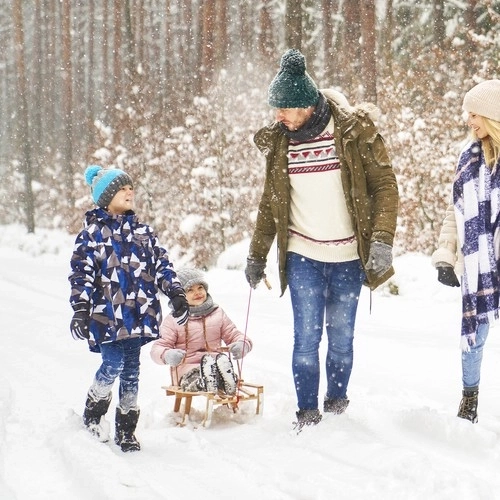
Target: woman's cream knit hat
{"points": [[484, 100]]}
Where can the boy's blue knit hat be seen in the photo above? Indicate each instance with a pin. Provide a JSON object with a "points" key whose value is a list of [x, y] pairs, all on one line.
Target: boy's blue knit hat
{"points": [[105, 183], [292, 87]]}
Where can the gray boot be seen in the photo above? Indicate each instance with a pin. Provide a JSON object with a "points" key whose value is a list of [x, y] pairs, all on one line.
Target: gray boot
{"points": [[125, 428], [468, 405], [95, 409]]}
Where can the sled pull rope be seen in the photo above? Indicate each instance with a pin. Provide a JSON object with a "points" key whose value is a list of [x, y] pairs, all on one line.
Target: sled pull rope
{"points": [[240, 363]]}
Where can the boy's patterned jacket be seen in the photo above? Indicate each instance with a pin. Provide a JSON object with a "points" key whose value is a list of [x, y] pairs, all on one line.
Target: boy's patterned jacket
{"points": [[117, 267]]}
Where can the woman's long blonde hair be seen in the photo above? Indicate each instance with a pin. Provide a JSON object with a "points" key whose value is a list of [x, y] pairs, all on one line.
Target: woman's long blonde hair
{"points": [[491, 143]]}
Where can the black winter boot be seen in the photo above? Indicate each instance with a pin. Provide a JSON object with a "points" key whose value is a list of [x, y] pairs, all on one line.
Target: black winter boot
{"points": [[335, 405], [306, 417], [125, 428], [468, 405], [94, 410]]}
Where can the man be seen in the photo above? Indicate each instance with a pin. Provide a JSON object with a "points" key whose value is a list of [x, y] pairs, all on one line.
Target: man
{"points": [[331, 199]]}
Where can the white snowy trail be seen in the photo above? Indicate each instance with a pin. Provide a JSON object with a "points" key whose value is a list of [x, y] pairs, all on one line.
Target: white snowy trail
{"points": [[399, 439]]}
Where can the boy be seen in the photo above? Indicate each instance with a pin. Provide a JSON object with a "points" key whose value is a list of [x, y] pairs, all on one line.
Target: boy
{"points": [[117, 267]]}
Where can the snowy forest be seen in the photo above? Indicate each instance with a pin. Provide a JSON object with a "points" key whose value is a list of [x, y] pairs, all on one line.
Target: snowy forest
{"points": [[172, 91]]}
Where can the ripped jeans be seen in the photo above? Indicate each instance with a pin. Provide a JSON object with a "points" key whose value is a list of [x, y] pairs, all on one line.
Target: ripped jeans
{"points": [[119, 359], [471, 360], [322, 293]]}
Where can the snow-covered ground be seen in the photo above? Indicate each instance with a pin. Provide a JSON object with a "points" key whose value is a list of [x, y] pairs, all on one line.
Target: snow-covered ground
{"points": [[399, 439]]}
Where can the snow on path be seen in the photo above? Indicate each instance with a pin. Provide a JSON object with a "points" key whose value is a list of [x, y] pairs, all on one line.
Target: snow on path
{"points": [[400, 437]]}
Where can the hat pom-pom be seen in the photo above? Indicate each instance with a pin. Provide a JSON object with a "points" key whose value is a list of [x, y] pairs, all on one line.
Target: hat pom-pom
{"points": [[293, 62], [90, 172]]}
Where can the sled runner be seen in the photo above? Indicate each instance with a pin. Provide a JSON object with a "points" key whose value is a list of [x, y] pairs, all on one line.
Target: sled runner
{"points": [[245, 392]]}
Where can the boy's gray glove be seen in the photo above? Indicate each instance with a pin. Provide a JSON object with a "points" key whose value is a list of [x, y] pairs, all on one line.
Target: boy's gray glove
{"points": [[174, 357], [254, 271], [447, 276], [379, 258], [79, 325], [239, 349]]}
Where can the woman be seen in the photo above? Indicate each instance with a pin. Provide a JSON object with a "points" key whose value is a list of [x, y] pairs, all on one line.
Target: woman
{"points": [[469, 239]]}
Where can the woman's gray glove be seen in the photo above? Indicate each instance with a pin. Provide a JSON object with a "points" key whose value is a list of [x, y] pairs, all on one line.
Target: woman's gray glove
{"points": [[379, 258], [254, 271], [447, 276], [174, 357]]}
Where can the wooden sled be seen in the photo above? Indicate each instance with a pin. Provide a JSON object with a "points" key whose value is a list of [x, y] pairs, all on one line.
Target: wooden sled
{"points": [[245, 392]]}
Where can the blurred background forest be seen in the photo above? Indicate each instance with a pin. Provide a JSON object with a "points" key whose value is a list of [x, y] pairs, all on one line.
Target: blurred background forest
{"points": [[172, 91]]}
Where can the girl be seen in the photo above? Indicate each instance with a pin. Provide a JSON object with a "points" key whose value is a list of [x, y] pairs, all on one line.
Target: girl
{"points": [[194, 349]]}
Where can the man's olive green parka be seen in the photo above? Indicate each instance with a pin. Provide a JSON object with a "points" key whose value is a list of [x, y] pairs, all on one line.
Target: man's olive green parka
{"points": [[369, 183]]}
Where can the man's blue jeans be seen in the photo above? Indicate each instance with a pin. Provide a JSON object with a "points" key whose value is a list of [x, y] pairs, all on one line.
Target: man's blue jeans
{"points": [[119, 359], [322, 294], [471, 361]]}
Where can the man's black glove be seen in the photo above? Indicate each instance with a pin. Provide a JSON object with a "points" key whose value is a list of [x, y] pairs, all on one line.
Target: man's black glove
{"points": [[179, 305], [79, 325], [447, 276], [254, 271]]}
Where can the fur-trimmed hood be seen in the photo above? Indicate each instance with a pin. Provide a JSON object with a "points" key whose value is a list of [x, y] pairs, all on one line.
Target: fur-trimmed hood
{"points": [[341, 101]]}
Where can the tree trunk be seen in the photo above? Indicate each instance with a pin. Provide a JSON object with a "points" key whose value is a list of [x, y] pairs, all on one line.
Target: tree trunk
{"points": [[36, 129], [348, 47], [90, 100], [207, 47], [67, 98], [368, 52], [23, 125], [221, 41], [471, 26], [293, 24], [439, 24], [117, 54], [265, 36], [106, 77]]}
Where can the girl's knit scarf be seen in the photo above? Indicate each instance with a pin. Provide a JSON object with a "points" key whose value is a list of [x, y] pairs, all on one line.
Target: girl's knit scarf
{"points": [[204, 309], [476, 198]]}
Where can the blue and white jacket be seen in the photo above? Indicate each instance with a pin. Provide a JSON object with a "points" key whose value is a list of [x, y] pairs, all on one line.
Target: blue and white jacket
{"points": [[117, 270]]}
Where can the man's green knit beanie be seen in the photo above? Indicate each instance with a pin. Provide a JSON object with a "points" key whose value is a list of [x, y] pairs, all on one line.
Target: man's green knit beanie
{"points": [[292, 87]]}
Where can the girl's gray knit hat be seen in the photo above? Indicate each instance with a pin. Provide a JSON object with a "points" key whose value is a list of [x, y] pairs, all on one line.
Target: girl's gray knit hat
{"points": [[292, 87], [189, 277], [484, 100]]}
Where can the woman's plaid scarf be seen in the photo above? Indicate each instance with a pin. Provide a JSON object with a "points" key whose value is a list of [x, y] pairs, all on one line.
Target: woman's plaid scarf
{"points": [[476, 198]]}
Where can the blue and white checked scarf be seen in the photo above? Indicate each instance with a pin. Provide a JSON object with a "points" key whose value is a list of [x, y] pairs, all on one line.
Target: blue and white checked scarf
{"points": [[476, 198]]}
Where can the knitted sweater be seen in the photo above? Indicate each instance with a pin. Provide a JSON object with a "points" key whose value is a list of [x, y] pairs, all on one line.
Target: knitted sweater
{"points": [[320, 226]]}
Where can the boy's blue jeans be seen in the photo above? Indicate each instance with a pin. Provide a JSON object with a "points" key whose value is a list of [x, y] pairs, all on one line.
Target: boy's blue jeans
{"points": [[322, 294], [471, 361], [119, 359]]}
